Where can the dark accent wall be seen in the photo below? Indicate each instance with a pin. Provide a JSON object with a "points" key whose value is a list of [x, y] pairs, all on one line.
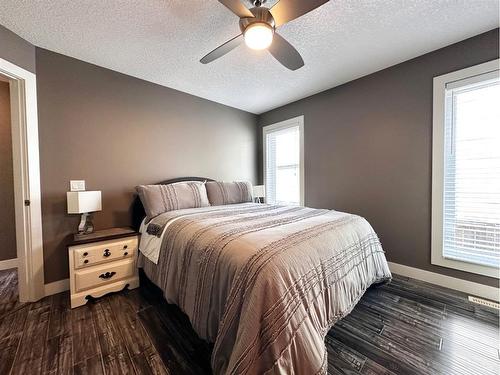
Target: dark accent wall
{"points": [[17, 50], [7, 216], [368, 148], [116, 132]]}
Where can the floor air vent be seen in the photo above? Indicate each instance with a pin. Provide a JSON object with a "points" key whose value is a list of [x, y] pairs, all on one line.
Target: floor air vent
{"points": [[485, 302]]}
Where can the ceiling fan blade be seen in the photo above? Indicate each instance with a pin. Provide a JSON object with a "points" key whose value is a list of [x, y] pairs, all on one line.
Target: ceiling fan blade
{"points": [[222, 49], [286, 10], [237, 8], [285, 53]]}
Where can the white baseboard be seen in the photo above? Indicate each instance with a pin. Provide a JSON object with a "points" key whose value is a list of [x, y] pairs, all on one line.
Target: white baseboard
{"points": [[461, 285], [7, 264], [56, 287]]}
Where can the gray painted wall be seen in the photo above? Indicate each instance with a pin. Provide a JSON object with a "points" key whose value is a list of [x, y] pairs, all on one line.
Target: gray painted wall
{"points": [[116, 132], [368, 148], [7, 217], [368, 143], [17, 50]]}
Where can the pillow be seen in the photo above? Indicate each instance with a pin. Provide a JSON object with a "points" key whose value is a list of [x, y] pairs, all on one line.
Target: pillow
{"points": [[158, 199], [220, 193]]}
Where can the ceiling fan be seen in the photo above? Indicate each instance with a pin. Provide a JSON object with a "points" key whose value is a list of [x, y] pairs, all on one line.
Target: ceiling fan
{"points": [[258, 29]]}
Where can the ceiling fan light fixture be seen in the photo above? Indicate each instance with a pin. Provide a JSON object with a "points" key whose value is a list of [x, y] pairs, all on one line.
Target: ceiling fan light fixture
{"points": [[258, 35]]}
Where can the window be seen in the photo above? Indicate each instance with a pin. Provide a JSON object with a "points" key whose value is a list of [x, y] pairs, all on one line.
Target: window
{"points": [[466, 170], [283, 162]]}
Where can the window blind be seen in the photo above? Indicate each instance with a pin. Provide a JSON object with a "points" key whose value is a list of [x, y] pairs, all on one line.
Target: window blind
{"points": [[471, 212], [282, 166]]}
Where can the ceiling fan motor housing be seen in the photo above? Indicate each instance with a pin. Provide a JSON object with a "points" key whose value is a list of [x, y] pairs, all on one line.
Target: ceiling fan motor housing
{"points": [[261, 15]]}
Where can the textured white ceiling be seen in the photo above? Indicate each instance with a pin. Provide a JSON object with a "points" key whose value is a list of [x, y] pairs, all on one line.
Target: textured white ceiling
{"points": [[162, 41]]}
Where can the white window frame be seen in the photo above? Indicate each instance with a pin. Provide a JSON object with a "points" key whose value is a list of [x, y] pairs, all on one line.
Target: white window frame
{"points": [[438, 134], [296, 121]]}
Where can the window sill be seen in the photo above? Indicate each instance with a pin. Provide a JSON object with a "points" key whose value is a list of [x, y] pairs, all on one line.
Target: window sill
{"points": [[438, 260]]}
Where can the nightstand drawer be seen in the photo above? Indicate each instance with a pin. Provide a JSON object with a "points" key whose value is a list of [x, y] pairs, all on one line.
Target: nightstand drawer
{"points": [[107, 273], [92, 254]]}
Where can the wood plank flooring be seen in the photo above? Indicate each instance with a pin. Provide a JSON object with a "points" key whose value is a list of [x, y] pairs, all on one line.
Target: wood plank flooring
{"points": [[405, 327], [8, 292]]}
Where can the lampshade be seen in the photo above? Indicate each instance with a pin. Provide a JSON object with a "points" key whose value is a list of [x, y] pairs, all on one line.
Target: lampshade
{"points": [[80, 202], [259, 191]]}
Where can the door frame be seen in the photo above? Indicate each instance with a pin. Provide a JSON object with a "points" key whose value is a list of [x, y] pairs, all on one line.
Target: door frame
{"points": [[27, 195]]}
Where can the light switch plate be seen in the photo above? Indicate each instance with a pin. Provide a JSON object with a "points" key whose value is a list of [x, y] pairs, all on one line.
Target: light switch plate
{"points": [[77, 185]]}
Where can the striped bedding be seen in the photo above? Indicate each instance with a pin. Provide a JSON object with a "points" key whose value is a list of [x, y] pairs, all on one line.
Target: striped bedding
{"points": [[265, 283]]}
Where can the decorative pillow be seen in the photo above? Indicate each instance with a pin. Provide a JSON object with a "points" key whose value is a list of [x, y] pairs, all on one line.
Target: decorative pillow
{"points": [[158, 199], [220, 193]]}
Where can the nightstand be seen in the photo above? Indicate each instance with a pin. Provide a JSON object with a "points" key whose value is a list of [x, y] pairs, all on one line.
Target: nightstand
{"points": [[102, 262]]}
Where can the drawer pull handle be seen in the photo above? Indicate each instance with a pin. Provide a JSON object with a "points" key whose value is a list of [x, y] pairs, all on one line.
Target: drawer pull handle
{"points": [[125, 247], [86, 261], [107, 275], [125, 253], [107, 253], [85, 254]]}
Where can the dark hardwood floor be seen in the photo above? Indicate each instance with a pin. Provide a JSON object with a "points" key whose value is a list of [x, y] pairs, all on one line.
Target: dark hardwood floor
{"points": [[405, 327], [8, 292]]}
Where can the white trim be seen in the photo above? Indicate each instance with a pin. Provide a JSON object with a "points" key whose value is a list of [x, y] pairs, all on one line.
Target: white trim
{"points": [[299, 120], [8, 264], [438, 130], [461, 285], [58, 286], [26, 165]]}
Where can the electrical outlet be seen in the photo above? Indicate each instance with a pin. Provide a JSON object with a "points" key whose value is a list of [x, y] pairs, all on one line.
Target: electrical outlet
{"points": [[77, 185]]}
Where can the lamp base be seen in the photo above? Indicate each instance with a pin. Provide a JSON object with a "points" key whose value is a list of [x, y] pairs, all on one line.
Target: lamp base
{"points": [[86, 226]]}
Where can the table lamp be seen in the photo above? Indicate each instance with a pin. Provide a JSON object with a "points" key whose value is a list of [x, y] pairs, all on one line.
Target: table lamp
{"points": [[259, 193], [84, 202]]}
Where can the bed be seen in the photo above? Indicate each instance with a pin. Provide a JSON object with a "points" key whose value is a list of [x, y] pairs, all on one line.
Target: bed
{"points": [[263, 283]]}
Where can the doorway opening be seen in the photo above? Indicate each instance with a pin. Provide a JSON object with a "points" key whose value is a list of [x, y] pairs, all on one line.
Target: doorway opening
{"points": [[9, 296], [21, 261]]}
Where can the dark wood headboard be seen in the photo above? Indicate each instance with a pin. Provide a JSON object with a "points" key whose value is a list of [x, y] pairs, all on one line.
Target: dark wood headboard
{"points": [[138, 212]]}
